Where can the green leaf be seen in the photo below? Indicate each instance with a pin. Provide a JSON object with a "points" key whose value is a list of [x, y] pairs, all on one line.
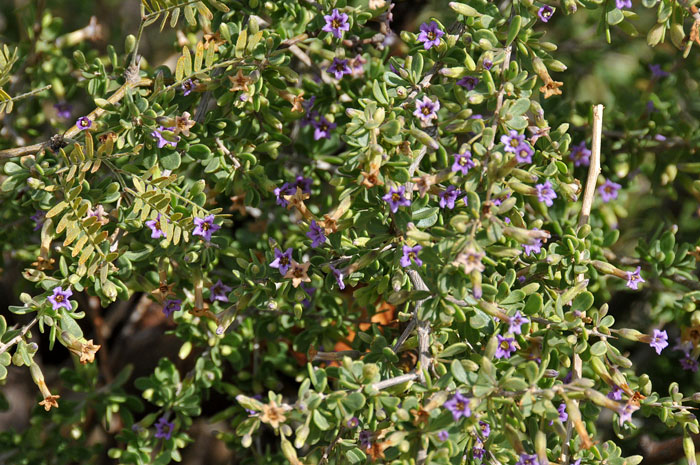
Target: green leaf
{"points": [[458, 371], [320, 421], [170, 160], [599, 349]]}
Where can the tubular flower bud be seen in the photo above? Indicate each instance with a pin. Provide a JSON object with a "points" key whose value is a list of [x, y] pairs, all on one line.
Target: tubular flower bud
{"points": [[84, 349]]}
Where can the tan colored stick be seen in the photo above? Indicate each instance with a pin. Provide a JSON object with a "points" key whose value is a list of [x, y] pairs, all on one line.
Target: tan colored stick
{"points": [[594, 167]]}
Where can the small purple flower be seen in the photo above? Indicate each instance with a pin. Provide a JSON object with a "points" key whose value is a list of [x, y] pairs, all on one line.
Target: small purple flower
{"points": [[485, 429], [580, 155], [339, 68], [426, 109], [162, 141], [620, 4], [524, 153], [171, 306], [411, 253], [336, 23], [545, 13], [478, 450], [634, 278], [576, 462], [205, 227], [59, 298], [448, 197], [487, 64], [563, 416], [463, 162], [527, 459], [443, 435], [512, 141], [164, 428], [365, 439], [303, 183], [656, 71], [684, 346], [505, 347], [316, 234], [545, 193], [219, 291], [282, 261], [608, 190], [659, 341], [310, 291], [338, 277], [352, 423], [516, 321], [430, 35], [84, 123], [38, 219], [322, 128], [468, 82], [156, 231], [626, 412], [187, 87], [396, 198], [659, 137], [533, 247], [615, 393], [459, 406], [689, 363], [63, 109], [280, 192]]}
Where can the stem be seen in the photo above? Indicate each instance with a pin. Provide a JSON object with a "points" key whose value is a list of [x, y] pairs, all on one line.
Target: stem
{"points": [[594, 168], [4, 347]]}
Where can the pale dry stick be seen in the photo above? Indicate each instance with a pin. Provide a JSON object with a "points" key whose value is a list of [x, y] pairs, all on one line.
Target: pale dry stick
{"points": [[396, 380], [593, 171], [4, 347]]}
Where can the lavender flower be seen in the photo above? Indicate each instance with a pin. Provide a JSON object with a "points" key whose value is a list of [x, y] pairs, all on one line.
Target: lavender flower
{"points": [[512, 141], [395, 198], [608, 190], [59, 298], [545, 13], [459, 406], [171, 306], [63, 109], [527, 459], [468, 82], [38, 219], [463, 162], [505, 347], [656, 71], [615, 393], [205, 227], [580, 155], [84, 123], [430, 35], [316, 234], [219, 291], [164, 428], [524, 153], [478, 450], [516, 321], [634, 278], [187, 87], [282, 260], [659, 341], [443, 435], [545, 193], [303, 183], [487, 64], [411, 253], [365, 439], [280, 192], [533, 247], [563, 416], [485, 429], [426, 109], [689, 363], [626, 412], [354, 422], [162, 141], [336, 23], [322, 128], [156, 231], [448, 197], [339, 68], [620, 4], [684, 346], [338, 277]]}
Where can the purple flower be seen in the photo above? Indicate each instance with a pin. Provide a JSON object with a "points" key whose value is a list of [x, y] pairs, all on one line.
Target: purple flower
{"points": [[365, 439], [395, 198], [316, 234], [59, 298], [545, 13], [659, 341], [516, 321], [459, 406], [448, 197], [205, 227], [303, 183], [626, 413], [443, 435], [162, 141], [615, 393], [282, 260], [523, 153], [689, 363], [545, 193], [580, 155], [608, 190], [468, 82], [338, 277], [684, 346], [354, 422], [656, 71], [84, 123], [171, 306], [576, 462], [164, 428], [156, 231], [505, 347], [487, 64], [527, 459], [280, 192], [357, 66], [336, 23], [426, 109], [411, 253], [322, 128], [187, 87], [463, 162], [623, 4], [533, 247], [478, 450], [430, 35], [339, 68], [512, 141], [38, 218], [485, 429], [634, 278], [219, 291], [63, 109], [310, 291], [563, 416]]}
